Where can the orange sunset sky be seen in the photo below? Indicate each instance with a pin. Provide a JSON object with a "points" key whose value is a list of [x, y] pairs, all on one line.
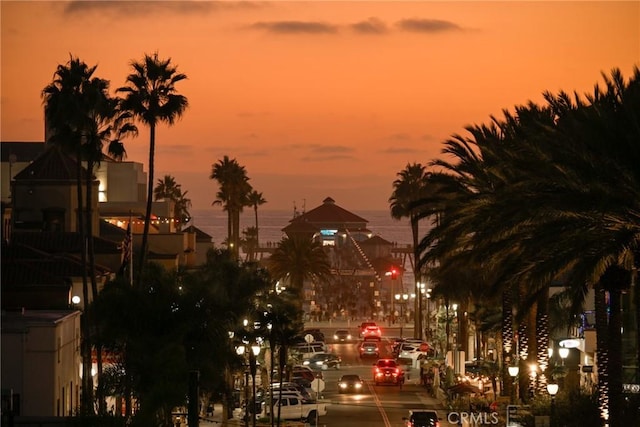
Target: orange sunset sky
{"points": [[317, 98]]}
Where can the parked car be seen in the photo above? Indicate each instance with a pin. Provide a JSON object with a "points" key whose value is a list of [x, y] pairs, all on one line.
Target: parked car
{"points": [[306, 350], [410, 352], [323, 361], [303, 372], [369, 349], [291, 387], [422, 418], [387, 371], [342, 335], [350, 383]]}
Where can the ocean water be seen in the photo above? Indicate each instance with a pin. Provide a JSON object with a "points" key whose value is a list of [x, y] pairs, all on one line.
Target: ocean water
{"points": [[270, 223]]}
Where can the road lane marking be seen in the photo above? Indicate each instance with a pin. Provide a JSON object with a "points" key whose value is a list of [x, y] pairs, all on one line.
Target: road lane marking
{"points": [[378, 403]]}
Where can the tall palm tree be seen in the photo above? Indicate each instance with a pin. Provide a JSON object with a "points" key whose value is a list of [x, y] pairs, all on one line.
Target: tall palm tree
{"points": [[75, 103], [151, 96], [411, 187], [255, 199], [234, 189], [297, 259]]}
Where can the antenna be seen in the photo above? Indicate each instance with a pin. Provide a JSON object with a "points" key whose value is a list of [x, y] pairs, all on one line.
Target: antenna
{"points": [[304, 205]]}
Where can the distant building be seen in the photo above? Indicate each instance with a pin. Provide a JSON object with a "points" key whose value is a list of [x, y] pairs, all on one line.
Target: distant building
{"points": [[360, 262]]}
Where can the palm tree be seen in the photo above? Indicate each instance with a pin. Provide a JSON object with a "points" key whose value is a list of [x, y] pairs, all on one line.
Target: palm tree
{"points": [[152, 98], [167, 188], [297, 259], [74, 105], [255, 199], [408, 189], [556, 161], [234, 190]]}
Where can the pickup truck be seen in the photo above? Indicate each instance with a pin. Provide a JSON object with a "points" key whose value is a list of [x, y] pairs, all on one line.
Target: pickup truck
{"points": [[294, 408]]}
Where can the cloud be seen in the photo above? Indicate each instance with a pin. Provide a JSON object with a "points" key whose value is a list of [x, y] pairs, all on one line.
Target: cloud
{"points": [[295, 27], [400, 136], [326, 158], [427, 25], [331, 149], [144, 8], [370, 26], [401, 150]]}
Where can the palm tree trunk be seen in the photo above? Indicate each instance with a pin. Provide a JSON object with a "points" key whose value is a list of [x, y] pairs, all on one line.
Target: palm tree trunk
{"points": [[236, 233], [147, 216], [463, 326], [102, 404], [509, 352], [532, 353], [85, 324], [636, 302], [417, 309], [602, 344], [542, 340], [255, 209], [615, 357]]}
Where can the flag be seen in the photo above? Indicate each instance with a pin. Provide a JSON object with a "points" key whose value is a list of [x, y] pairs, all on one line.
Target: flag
{"points": [[126, 250]]}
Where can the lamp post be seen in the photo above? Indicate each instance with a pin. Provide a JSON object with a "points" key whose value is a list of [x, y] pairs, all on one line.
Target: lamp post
{"points": [[240, 351], [428, 329], [552, 388], [513, 372], [402, 300], [255, 351], [394, 275]]}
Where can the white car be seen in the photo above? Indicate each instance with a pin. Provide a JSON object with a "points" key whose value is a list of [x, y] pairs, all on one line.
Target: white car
{"points": [[413, 352]]}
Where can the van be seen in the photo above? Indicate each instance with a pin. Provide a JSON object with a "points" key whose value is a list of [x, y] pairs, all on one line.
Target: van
{"points": [[306, 350]]}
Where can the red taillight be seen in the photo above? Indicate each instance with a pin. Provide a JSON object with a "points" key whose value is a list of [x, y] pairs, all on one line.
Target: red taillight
{"points": [[437, 423]]}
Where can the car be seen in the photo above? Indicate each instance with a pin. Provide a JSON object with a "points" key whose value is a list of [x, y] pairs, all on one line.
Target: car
{"points": [[323, 361], [292, 388], [422, 418], [369, 349], [387, 371], [350, 383], [372, 331], [342, 335], [303, 372], [364, 326], [306, 350], [410, 352]]}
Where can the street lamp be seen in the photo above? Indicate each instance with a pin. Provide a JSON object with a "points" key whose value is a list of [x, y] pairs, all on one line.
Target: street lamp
{"points": [[564, 353], [255, 351], [553, 390], [240, 351], [394, 275], [402, 300], [513, 372]]}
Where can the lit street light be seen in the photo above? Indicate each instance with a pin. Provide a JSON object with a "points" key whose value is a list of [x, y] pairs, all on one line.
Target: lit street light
{"points": [[513, 372], [402, 300], [553, 390]]}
